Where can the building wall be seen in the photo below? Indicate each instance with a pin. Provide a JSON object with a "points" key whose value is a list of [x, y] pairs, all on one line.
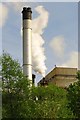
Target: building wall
{"points": [[61, 76], [63, 81]]}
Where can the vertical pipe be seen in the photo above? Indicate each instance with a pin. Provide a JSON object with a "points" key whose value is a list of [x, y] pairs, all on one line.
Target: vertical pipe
{"points": [[27, 41]]}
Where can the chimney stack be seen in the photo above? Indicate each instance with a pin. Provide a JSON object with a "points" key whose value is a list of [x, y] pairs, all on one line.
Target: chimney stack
{"points": [[27, 42]]}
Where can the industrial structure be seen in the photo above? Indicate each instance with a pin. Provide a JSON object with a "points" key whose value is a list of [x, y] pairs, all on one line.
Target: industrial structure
{"points": [[60, 76], [27, 42]]}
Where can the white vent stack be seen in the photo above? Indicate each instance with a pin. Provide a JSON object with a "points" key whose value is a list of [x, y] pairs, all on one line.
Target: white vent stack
{"points": [[27, 42]]}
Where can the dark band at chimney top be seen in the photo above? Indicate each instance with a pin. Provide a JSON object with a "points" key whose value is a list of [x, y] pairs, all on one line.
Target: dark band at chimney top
{"points": [[27, 13]]}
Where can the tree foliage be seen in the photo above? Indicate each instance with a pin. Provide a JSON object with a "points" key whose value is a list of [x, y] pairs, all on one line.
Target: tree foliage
{"points": [[74, 97], [22, 101], [15, 87], [52, 102]]}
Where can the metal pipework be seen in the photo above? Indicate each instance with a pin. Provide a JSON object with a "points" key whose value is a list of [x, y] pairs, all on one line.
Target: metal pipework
{"points": [[27, 42]]}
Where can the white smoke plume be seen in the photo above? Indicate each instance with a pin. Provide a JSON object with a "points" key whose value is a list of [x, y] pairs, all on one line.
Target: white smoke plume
{"points": [[39, 23], [38, 55]]}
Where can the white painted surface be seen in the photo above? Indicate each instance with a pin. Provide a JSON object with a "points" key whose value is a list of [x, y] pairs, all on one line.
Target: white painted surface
{"points": [[27, 48]]}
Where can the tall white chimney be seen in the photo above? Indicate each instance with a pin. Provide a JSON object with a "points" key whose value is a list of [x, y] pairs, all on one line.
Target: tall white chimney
{"points": [[27, 42]]}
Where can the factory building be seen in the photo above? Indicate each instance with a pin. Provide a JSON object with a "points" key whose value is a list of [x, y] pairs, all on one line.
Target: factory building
{"points": [[60, 76]]}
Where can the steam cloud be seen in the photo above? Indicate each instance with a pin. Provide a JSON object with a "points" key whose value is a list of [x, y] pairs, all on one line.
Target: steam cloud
{"points": [[38, 56], [38, 25]]}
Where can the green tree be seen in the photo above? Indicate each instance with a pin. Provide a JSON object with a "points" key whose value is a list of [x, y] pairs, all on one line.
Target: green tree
{"points": [[52, 102], [74, 97], [22, 101], [15, 88]]}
